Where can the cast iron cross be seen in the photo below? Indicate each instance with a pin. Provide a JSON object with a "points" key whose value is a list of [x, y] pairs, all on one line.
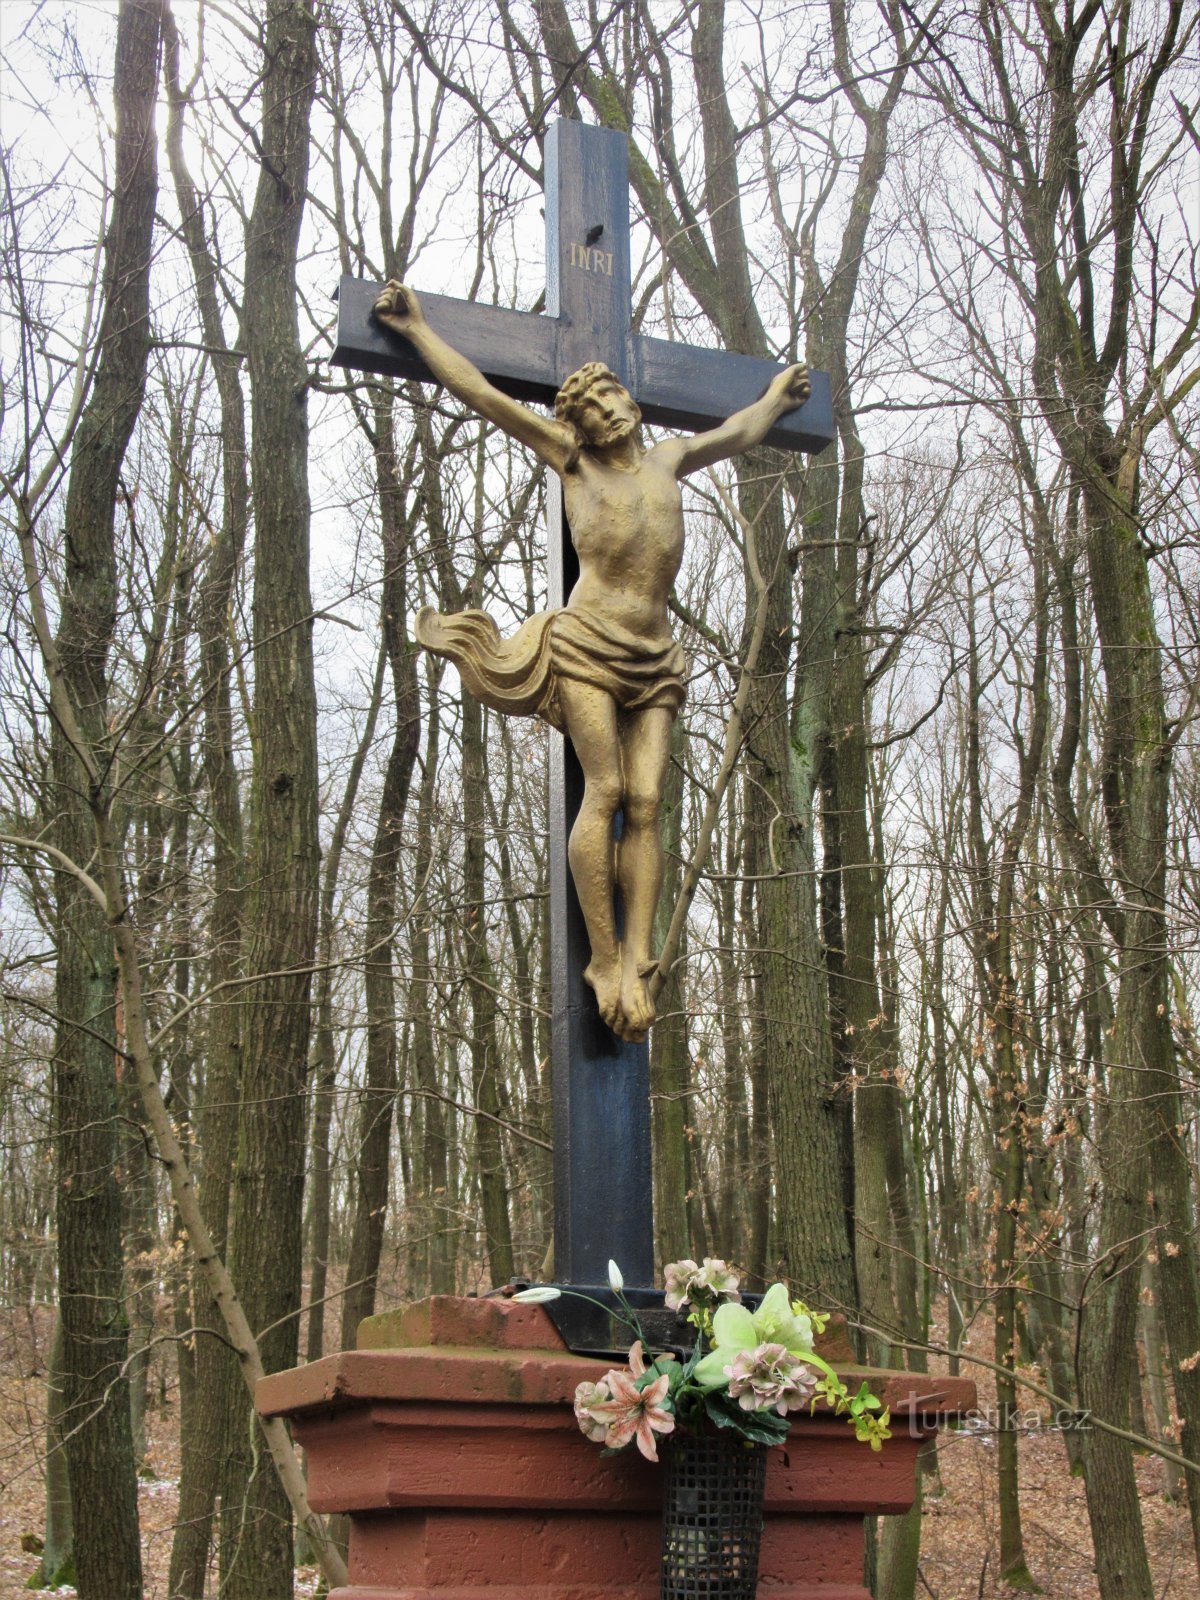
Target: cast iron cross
{"points": [[601, 1085]]}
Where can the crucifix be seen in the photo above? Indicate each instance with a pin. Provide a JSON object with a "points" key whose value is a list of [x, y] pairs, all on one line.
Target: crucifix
{"points": [[600, 1059]]}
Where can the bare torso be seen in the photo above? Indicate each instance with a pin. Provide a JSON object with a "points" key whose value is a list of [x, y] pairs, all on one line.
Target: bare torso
{"points": [[627, 529]]}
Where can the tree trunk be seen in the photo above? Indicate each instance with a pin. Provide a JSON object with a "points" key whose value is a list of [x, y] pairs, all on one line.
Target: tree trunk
{"points": [[267, 1213], [669, 1052], [217, 1380], [327, 1055], [758, 1263], [1172, 1477], [860, 1009], [437, 1218], [1176, 1272], [812, 1241], [536, 1162], [485, 1055], [96, 1417], [58, 1549], [1140, 763], [373, 1136], [735, 1131], [995, 890]]}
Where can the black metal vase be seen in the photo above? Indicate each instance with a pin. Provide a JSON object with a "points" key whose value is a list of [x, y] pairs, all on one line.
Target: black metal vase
{"points": [[712, 1517]]}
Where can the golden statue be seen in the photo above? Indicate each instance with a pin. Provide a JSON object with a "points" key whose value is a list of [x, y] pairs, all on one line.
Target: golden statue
{"points": [[605, 668]]}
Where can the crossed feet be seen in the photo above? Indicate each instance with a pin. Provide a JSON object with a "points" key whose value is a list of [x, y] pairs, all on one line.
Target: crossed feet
{"points": [[623, 995]]}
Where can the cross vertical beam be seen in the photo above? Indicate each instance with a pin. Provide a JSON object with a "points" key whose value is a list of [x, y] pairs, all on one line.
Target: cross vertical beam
{"points": [[603, 1191]]}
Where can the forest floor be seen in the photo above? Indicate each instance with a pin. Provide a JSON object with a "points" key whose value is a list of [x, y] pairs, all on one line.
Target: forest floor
{"points": [[959, 1546]]}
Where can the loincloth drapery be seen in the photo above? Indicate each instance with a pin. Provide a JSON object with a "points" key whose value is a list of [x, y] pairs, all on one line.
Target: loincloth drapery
{"points": [[520, 675]]}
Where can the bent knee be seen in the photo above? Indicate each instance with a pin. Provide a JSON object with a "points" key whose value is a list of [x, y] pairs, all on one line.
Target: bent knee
{"points": [[641, 808], [603, 793]]}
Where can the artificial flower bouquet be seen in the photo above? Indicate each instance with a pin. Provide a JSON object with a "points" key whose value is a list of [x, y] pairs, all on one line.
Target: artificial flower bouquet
{"points": [[748, 1369]]}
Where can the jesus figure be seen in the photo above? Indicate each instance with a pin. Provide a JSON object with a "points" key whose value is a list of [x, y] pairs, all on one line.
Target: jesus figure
{"points": [[604, 669]]}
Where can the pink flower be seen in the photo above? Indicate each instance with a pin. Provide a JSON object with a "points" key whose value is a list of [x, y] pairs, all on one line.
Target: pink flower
{"points": [[635, 1414], [677, 1276], [686, 1283], [770, 1375], [615, 1411]]}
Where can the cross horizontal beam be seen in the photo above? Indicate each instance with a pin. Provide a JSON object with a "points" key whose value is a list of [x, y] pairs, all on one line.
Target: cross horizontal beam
{"points": [[528, 356]]}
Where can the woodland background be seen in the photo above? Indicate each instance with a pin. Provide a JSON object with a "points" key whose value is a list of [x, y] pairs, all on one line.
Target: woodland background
{"points": [[273, 951]]}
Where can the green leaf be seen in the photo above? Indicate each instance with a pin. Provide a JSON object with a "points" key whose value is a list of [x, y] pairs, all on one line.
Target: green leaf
{"points": [[661, 1366], [864, 1400], [693, 1361], [760, 1427]]}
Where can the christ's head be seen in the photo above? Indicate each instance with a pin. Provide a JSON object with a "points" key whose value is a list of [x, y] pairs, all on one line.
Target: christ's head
{"points": [[598, 405]]}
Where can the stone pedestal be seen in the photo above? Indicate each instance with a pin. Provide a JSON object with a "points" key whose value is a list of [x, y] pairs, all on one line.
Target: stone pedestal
{"points": [[449, 1439]]}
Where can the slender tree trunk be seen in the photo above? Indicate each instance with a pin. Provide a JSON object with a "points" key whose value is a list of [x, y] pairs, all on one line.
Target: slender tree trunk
{"points": [[140, 1239], [1160, 1404], [759, 1199], [996, 895], [1048, 1302], [327, 1055], [267, 1212], [96, 1416], [320, 1184], [833, 943], [217, 1380], [485, 1062], [58, 1549], [668, 1049], [860, 1008], [946, 1164], [1176, 1274], [536, 1162], [373, 1137], [812, 1245], [1140, 764], [437, 1216], [735, 1132]]}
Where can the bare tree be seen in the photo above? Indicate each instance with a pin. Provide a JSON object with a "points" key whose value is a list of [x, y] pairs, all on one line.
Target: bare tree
{"points": [[266, 1216], [98, 1440]]}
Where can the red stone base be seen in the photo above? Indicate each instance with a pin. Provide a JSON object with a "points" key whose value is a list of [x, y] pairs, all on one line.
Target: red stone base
{"points": [[451, 1444]]}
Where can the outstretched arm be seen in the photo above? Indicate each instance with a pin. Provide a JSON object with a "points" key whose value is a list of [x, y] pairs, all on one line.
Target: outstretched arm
{"points": [[399, 309], [746, 428]]}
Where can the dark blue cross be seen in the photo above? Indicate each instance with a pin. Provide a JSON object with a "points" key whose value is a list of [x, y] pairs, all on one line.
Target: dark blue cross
{"points": [[601, 1086]]}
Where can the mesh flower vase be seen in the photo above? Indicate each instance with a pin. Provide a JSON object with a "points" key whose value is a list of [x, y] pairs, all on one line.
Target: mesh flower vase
{"points": [[712, 1517]]}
